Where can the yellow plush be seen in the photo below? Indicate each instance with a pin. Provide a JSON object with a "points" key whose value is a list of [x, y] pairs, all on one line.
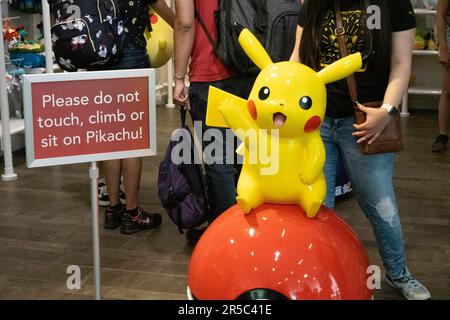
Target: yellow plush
{"points": [[279, 126], [159, 41]]}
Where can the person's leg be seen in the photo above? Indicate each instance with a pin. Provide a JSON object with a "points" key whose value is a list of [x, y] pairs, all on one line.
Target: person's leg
{"points": [[219, 175], [371, 176], [111, 171], [114, 212], [131, 170], [134, 219], [327, 133], [440, 143], [444, 103]]}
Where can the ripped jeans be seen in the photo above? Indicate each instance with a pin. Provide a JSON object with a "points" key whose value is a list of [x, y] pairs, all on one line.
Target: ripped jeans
{"points": [[371, 178]]}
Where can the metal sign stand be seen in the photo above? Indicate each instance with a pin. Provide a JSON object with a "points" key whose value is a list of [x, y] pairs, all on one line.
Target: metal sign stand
{"points": [[93, 170], [93, 174]]}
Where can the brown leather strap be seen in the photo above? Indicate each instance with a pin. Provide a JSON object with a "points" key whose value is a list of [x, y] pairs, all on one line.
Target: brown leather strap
{"points": [[340, 34]]}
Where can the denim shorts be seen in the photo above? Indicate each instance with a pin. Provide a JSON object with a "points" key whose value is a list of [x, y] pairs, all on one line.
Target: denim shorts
{"points": [[134, 57]]}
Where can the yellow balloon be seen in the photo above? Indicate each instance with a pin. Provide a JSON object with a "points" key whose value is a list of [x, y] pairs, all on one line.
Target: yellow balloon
{"points": [[279, 126], [159, 41]]}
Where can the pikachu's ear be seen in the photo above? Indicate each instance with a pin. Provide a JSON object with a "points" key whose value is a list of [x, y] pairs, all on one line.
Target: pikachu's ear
{"points": [[341, 68], [254, 50]]}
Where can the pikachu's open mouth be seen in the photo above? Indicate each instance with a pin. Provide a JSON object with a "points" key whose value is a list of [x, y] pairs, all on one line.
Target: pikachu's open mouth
{"points": [[279, 119]]}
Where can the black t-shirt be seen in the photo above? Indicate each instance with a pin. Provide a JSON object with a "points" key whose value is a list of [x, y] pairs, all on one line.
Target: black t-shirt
{"points": [[373, 81], [134, 13]]}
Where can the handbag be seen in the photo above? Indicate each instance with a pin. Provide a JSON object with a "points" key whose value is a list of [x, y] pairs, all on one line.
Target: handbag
{"points": [[390, 139]]}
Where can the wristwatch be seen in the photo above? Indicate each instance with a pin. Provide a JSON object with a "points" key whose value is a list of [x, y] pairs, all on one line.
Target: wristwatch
{"points": [[393, 111]]}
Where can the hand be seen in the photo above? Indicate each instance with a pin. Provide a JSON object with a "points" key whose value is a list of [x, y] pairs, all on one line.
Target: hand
{"points": [[180, 94], [377, 120], [444, 57]]}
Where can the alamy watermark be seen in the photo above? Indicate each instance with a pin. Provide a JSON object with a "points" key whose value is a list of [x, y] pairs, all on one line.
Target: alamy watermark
{"points": [[74, 280], [261, 147]]}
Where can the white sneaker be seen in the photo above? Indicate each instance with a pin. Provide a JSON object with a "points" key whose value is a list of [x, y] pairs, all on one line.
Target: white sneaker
{"points": [[409, 286], [103, 195]]}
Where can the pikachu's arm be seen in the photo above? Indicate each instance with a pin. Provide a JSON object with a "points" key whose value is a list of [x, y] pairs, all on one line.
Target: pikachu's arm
{"points": [[314, 161], [228, 111]]}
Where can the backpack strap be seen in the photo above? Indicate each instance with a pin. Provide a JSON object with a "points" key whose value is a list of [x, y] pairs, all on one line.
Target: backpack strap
{"points": [[183, 117], [260, 18], [205, 29], [179, 220], [340, 34]]}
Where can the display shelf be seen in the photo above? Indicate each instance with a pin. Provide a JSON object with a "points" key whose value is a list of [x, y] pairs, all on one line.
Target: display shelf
{"points": [[428, 13], [422, 11], [424, 91], [425, 53]]}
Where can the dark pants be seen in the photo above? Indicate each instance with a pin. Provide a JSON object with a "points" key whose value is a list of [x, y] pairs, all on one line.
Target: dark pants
{"points": [[221, 177], [134, 57]]}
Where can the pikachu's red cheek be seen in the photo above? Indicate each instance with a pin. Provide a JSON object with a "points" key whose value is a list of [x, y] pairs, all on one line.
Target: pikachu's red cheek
{"points": [[252, 109], [153, 19], [312, 124]]}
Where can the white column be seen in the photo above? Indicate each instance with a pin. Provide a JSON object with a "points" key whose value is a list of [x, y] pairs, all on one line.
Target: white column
{"points": [[9, 174], [170, 103], [405, 112], [47, 36]]}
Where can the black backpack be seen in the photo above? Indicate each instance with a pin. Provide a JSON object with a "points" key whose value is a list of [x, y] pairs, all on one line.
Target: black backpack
{"points": [[92, 39], [273, 22]]}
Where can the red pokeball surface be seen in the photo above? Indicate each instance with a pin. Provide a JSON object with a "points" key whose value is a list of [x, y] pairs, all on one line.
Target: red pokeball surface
{"points": [[276, 247]]}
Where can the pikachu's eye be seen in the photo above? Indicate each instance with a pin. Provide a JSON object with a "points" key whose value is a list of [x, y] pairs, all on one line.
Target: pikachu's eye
{"points": [[264, 93], [305, 103]]}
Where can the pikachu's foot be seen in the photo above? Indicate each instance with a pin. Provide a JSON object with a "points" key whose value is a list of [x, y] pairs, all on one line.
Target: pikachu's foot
{"points": [[313, 209], [244, 205]]}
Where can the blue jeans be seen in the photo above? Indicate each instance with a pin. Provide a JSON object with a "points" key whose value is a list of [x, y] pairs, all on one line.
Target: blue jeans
{"points": [[220, 177], [134, 57], [371, 177]]}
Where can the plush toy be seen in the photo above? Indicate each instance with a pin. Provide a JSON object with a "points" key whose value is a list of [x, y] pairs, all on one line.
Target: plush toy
{"points": [[279, 126], [159, 41], [9, 32]]}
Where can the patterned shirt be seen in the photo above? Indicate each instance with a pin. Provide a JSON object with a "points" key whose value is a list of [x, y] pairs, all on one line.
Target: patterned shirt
{"points": [[134, 13]]}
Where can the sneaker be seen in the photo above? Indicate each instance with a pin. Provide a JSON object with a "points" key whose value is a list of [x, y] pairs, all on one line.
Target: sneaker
{"points": [[113, 217], [103, 195], [122, 197], [139, 222], [193, 235], [440, 143], [409, 286]]}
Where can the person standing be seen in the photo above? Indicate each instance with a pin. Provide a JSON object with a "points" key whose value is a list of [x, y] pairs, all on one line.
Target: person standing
{"points": [[132, 218], [385, 79], [205, 69], [443, 34]]}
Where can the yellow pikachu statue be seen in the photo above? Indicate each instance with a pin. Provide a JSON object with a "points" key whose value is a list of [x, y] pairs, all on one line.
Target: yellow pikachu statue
{"points": [[159, 40], [287, 104]]}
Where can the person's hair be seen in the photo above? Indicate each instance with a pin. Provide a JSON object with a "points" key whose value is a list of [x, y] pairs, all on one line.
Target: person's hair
{"points": [[312, 15]]}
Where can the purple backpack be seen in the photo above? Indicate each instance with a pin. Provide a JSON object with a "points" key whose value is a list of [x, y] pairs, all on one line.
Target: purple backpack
{"points": [[181, 187]]}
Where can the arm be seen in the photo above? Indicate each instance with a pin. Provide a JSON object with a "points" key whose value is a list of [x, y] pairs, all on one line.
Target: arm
{"points": [[184, 33], [295, 57], [164, 11], [441, 26], [315, 160], [401, 59]]}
